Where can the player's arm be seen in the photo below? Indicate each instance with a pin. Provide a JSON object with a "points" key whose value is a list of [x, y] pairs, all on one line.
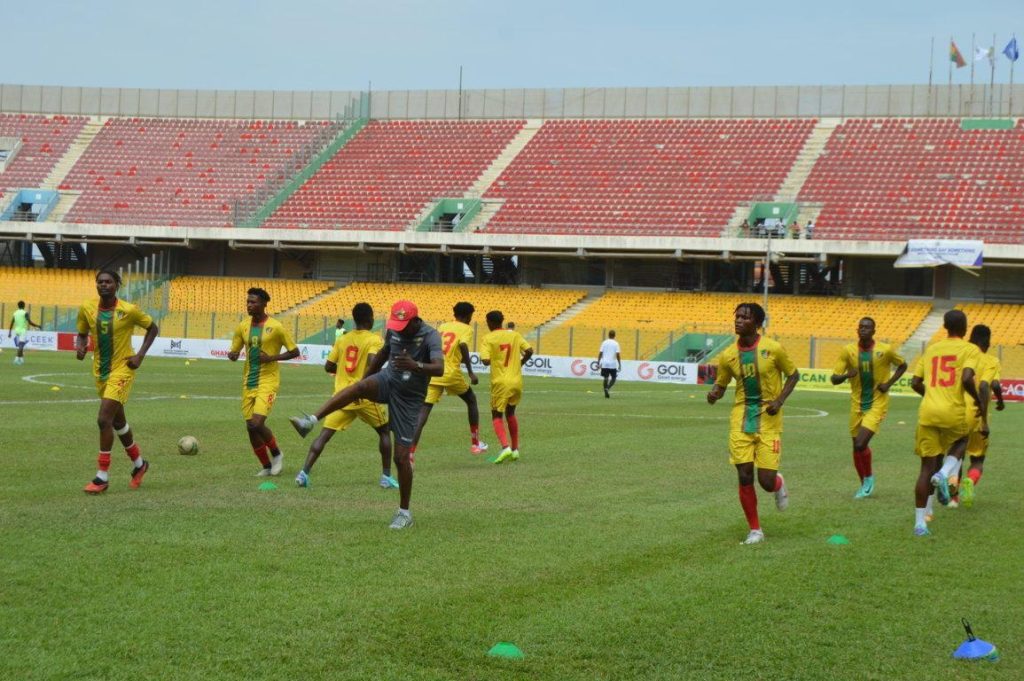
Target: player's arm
{"points": [[842, 370], [917, 382], [376, 362], [997, 390], [82, 339], [32, 323], [971, 388], [135, 361], [775, 405], [10, 329], [467, 360], [618, 356], [896, 375], [525, 357], [291, 350], [435, 367], [237, 343], [722, 378]]}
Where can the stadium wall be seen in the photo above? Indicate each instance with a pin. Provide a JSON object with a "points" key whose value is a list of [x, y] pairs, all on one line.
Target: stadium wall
{"points": [[653, 102]]}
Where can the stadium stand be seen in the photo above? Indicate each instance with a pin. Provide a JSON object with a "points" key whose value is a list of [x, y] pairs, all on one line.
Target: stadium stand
{"points": [[44, 139], [180, 171], [1006, 321], [38, 286], [792, 319], [894, 179], [528, 308], [643, 177], [385, 176]]}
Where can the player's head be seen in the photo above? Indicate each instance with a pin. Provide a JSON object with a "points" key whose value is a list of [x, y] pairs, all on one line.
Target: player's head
{"points": [[362, 315], [981, 336], [866, 330], [21, 304], [405, 318], [256, 300], [511, 326], [464, 311], [611, 334], [955, 323], [341, 323], [107, 283], [749, 317], [495, 319]]}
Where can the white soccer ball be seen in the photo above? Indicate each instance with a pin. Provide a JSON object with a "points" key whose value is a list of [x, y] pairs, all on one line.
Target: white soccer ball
{"points": [[188, 446]]}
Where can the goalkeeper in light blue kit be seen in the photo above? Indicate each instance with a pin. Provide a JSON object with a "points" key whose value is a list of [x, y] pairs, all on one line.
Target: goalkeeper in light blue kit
{"points": [[20, 323]]}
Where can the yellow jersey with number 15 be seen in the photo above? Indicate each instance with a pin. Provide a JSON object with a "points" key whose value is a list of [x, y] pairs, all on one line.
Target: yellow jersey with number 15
{"points": [[942, 368]]}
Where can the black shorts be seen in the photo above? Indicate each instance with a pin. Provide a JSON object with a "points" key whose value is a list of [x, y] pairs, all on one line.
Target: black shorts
{"points": [[403, 407], [606, 373]]}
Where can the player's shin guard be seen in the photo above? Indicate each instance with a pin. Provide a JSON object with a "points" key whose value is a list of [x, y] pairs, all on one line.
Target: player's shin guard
{"points": [[865, 461], [748, 500], [974, 474], [513, 429], [133, 451], [103, 465], [858, 464], [499, 430], [261, 454], [474, 434]]}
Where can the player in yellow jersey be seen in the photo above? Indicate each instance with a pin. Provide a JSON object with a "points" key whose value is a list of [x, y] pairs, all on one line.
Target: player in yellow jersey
{"points": [[455, 339], [868, 366], [351, 354], [110, 322], [262, 337], [505, 351], [944, 374], [758, 365], [988, 377]]}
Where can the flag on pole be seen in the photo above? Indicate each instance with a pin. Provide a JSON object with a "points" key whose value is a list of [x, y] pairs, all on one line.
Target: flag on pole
{"points": [[983, 53], [955, 56], [1011, 50]]}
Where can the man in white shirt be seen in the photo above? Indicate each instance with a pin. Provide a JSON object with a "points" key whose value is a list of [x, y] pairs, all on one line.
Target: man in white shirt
{"points": [[610, 360]]}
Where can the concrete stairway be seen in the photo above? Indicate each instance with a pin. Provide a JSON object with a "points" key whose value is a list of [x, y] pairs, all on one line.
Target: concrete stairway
{"points": [[64, 203], [298, 307], [806, 159], [487, 211], [75, 151], [503, 159], [566, 315], [931, 324]]}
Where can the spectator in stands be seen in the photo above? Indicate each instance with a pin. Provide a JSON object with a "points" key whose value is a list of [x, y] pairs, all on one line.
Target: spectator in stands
{"points": [[745, 229], [809, 230], [794, 230]]}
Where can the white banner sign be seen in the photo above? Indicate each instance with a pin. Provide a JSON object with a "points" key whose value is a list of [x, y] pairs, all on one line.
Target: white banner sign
{"points": [[200, 348], [932, 252], [37, 340]]}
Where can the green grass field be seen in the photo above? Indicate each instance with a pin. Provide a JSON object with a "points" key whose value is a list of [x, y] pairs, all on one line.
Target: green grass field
{"points": [[609, 551]]}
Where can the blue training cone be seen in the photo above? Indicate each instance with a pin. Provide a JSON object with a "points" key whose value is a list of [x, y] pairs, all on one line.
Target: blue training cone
{"points": [[974, 649]]}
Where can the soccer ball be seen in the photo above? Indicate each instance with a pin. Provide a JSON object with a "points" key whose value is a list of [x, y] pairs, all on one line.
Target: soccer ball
{"points": [[188, 445]]}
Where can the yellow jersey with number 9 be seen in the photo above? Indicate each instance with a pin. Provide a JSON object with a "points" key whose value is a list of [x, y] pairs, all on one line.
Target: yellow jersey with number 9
{"points": [[351, 353]]}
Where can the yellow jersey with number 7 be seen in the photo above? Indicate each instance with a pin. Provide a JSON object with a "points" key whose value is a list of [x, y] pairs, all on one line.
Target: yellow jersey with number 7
{"points": [[505, 348]]}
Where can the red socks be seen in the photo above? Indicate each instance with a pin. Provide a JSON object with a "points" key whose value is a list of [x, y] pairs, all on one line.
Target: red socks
{"points": [[474, 434], [748, 500], [103, 461], [779, 482], [499, 430], [261, 454], [862, 462], [132, 451], [974, 474], [272, 446], [513, 429]]}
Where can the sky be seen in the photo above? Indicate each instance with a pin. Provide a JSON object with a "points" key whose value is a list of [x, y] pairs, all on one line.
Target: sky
{"points": [[414, 44]]}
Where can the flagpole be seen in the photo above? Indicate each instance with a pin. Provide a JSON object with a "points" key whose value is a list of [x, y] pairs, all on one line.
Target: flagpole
{"points": [[992, 78], [931, 67], [949, 84], [974, 57]]}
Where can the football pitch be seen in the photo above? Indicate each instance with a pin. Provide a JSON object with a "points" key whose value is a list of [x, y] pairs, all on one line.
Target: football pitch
{"points": [[611, 550]]}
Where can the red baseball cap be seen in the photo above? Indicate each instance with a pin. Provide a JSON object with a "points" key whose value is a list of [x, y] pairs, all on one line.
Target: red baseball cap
{"points": [[402, 313]]}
